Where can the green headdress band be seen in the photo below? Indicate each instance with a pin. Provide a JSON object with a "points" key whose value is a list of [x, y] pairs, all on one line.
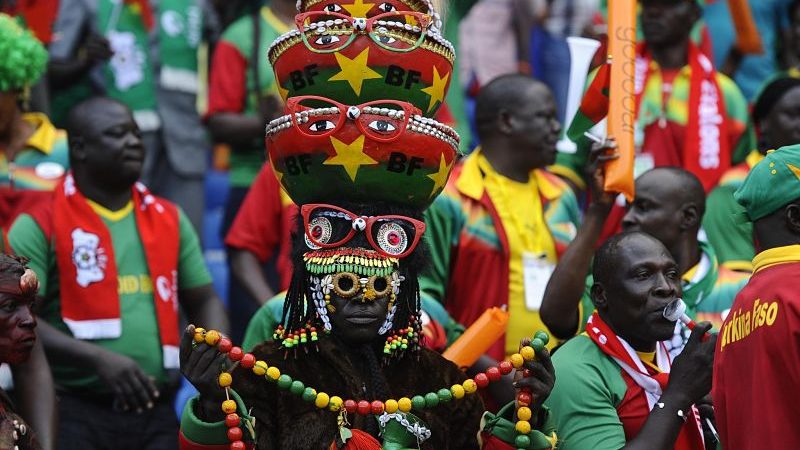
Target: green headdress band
{"points": [[24, 57]]}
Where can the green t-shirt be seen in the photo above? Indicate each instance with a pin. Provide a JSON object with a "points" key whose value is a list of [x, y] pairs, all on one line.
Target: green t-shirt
{"points": [[584, 400], [140, 335]]}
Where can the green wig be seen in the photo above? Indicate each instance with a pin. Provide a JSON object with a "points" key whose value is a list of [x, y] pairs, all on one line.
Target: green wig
{"points": [[24, 57]]}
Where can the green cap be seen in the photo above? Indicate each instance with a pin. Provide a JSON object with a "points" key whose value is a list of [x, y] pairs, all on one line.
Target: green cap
{"points": [[772, 183]]}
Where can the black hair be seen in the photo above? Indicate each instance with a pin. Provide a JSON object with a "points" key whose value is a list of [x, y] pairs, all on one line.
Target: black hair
{"points": [[771, 95], [501, 94], [80, 117], [688, 186], [606, 263]]}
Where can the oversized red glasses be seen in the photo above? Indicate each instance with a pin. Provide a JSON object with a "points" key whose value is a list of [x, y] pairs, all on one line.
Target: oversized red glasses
{"points": [[328, 226], [328, 32], [381, 120]]}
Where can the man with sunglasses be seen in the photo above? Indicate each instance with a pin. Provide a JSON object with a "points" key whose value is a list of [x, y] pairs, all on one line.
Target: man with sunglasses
{"points": [[497, 230]]}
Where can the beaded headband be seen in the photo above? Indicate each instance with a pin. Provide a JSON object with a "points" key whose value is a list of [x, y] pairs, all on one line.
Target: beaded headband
{"points": [[364, 70]]}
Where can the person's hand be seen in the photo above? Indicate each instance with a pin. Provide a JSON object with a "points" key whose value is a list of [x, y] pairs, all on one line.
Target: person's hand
{"points": [[96, 49], [600, 154], [540, 379], [691, 374], [270, 107], [706, 409], [201, 364], [133, 389]]}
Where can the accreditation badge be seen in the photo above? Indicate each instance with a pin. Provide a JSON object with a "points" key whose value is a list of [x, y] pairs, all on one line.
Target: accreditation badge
{"points": [[536, 271]]}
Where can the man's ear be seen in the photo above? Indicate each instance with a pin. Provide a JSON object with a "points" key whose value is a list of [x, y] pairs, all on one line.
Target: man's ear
{"points": [[504, 122], [690, 219], [598, 296], [77, 147], [792, 215]]}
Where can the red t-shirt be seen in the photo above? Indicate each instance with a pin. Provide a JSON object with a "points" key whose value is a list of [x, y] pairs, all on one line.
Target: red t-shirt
{"points": [[264, 223], [757, 362]]}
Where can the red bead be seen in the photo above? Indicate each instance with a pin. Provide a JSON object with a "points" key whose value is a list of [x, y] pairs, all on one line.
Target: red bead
{"points": [[238, 445], [481, 380], [524, 398], [377, 407], [363, 407], [232, 420], [235, 434], [505, 367], [248, 361], [235, 354], [224, 345], [350, 406], [493, 373]]}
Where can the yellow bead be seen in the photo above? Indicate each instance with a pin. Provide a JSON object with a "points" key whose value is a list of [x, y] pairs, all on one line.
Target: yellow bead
{"points": [[404, 404], [527, 353], [229, 406], [390, 406], [212, 337], [470, 386], [273, 372], [523, 426], [524, 413], [517, 360], [322, 400], [225, 379], [199, 335], [335, 404], [260, 368], [458, 391]]}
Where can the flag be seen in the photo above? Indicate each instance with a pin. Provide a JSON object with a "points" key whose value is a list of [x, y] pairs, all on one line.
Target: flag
{"points": [[594, 105]]}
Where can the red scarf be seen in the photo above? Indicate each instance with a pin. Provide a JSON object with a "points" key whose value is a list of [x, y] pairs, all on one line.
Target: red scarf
{"points": [[650, 386], [88, 271], [706, 148]]}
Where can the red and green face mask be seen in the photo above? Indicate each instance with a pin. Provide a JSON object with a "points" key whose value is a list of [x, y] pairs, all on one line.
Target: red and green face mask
{"points": [[384, 150], [353, 60]]}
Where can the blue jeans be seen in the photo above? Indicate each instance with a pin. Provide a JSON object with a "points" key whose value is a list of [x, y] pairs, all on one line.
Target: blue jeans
{"points": [[552, 63]]}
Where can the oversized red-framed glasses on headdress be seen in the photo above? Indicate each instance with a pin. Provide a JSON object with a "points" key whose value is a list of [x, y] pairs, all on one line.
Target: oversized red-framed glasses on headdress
{"points": [[381, 120], [328, 32], [328, 226]]}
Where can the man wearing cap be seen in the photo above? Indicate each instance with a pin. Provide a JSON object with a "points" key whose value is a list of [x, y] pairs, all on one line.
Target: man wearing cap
{"points": [[777, 123], [756, 372]]}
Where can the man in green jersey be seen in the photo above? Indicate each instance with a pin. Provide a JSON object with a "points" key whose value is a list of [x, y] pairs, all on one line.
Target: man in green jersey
{"points": [[115, 263]]}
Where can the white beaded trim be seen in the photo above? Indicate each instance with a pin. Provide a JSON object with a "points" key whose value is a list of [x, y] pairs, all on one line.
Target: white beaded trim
{"points": [[420, 432]]}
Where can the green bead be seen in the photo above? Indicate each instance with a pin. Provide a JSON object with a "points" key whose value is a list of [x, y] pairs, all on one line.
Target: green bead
{"points": [[388, 351], [309, 395], [537, 344], [418, 402], [303, 340], [522, 441], [543, 336], [284, 381], [297, 387], [404, 346], [444, 395], [288, 343], [431, 400]]}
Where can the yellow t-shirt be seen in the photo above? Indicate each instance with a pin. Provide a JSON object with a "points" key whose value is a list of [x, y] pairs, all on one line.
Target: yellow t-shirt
{"points": [[520, 209]]}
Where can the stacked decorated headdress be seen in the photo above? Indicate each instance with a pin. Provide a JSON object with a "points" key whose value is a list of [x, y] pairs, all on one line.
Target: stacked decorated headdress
{"points": [[362, 80]]}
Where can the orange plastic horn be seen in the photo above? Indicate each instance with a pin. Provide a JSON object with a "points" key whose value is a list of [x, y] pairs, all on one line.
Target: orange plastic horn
{"points": [[747, 38], [478, 338]]}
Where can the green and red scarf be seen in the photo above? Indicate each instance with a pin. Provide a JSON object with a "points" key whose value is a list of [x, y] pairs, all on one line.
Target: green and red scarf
{"points": [[706, 149], [644, 387], [88, 272]]}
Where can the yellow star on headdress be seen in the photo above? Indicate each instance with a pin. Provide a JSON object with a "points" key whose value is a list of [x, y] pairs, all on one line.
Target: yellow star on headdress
{"points": [[436, 90], [794, 170], [278, 173], [284, 93], [350, 156], [440, 177], [358, 8], [355, 70]]}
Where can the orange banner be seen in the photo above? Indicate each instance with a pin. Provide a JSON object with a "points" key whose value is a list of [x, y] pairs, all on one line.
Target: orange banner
{"points": [[747, 38], [477, 339], [622, 94]]}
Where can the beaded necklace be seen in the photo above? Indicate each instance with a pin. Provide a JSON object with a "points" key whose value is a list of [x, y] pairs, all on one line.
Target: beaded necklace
{"points": [[335, 403]]}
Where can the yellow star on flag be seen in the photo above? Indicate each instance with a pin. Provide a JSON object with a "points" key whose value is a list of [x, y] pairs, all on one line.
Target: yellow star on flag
{"points": [[436, 90], [440, 177], [355, 70], [358, 8], [350, 156], [794, 170]]}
